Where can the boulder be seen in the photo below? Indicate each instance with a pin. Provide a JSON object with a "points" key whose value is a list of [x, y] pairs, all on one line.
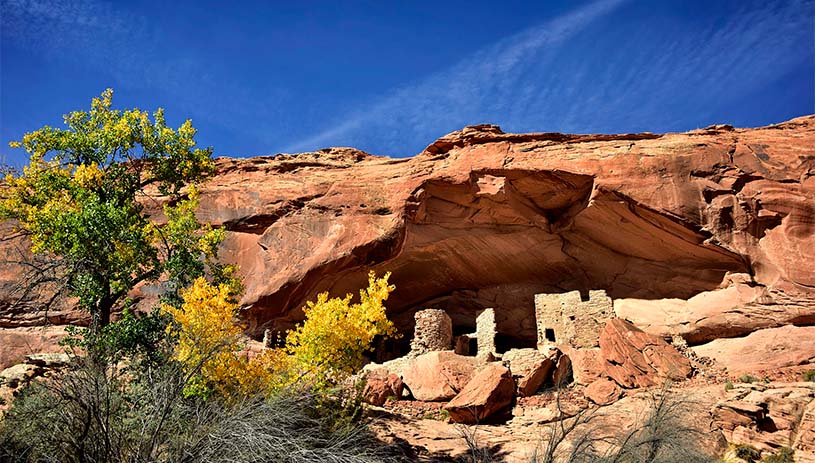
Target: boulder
{"points": [[490, 391], [563, 371], [603, 391], [634, 358], [530, 368], [48, 359], [381, 385], [587, 364], [438, 376], [767, 349], [18, 375], [531, 381]]}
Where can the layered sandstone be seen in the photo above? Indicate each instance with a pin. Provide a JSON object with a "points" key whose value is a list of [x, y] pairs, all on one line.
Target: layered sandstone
{"points": [[485, 219]]}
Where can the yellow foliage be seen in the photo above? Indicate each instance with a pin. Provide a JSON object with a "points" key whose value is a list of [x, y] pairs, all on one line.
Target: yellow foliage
{"points": [[208, 341], [327, 346], [332, 340]]}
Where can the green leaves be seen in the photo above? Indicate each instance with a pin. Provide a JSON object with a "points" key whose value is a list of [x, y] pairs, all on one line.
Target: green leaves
{"points": [[80, 201]]}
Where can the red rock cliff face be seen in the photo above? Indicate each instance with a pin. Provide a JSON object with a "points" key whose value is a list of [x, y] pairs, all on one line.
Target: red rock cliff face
{"points": [[482, 218]]}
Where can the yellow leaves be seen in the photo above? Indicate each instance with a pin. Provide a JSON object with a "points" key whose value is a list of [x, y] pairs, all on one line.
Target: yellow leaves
{"points": [[103, 102], [327, 346], [88, 175], [336, 333], [207, 336]]}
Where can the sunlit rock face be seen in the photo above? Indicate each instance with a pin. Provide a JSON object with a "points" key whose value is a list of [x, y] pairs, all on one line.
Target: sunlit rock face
{"points": [[482, 218]]}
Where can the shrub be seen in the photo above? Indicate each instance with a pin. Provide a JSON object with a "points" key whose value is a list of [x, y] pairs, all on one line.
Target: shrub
{"points": [[747, 378], [783, 455], [809, 375], [208, 344], [747, 453], [332, 341], [326, 348], [661, 435], [102, 415]]}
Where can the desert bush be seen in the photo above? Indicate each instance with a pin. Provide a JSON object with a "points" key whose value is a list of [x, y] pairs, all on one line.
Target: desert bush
{"points": [[326, 348], [783, 455], [332, 341], [660, 435], [747, 378], [286, 428], [808, 375], [97, 414], [207, 343], [476, 451]]}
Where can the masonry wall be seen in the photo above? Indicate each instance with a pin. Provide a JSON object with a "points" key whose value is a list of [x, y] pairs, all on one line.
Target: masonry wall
{"points": [[433, 332], [567, 319]]}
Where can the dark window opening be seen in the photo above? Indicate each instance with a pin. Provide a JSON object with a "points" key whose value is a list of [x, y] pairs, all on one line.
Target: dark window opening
{"points": [[571, 317], [473, 350], [550, 334]]}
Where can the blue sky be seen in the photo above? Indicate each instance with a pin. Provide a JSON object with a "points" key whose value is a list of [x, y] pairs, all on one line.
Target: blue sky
{"points": [[259, 78]]}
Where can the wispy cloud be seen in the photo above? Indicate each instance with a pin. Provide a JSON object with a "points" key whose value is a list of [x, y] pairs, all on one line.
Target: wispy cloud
{"points": [[131, 49], [452, 94], [563, 75], [96, 31]]}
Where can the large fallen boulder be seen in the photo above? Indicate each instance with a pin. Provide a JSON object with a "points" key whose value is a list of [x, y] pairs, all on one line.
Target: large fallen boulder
{"points": [[530, 368], [603, 391], [438, 376], [763, 350], [380, 385], [634, 358], [490, 391]]}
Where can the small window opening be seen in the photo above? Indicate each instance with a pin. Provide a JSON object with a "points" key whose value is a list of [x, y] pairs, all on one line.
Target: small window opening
{"points": [[550, 334], [571, 317]]}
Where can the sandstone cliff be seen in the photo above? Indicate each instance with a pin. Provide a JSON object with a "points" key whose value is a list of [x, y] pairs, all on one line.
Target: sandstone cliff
{"points": [[707, 234]]}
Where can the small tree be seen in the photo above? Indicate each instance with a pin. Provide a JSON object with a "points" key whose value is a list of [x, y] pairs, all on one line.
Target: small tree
{"points": [[81, 202], [333, 339], [328, 345]]}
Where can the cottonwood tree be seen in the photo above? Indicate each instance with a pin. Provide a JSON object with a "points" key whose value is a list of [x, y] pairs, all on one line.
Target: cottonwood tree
{"points": [[81, 203]]}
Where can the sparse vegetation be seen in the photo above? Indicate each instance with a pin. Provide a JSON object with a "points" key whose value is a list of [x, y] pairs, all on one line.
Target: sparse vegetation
{"points": [[661, 435], [728, 385], [808, 375], [746, 452], [749, 379], [783, 455], [169, 385]]}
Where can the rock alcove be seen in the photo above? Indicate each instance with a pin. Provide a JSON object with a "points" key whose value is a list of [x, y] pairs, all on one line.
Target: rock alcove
{"points": [[502, 236]]}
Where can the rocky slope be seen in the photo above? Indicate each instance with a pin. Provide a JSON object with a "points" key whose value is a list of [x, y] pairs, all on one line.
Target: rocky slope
{"points": [[707, 234]]}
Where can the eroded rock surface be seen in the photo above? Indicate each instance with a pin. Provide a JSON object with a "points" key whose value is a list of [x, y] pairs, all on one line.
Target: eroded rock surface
{"points": [[485, 219], [769, 416], [763, 350], [634, 358], [488, 392]]}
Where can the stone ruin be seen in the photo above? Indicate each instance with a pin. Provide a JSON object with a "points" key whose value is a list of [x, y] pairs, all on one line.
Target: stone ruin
{"points": [[568, 319], [561, 319], [484, 337], [433, 332]]}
